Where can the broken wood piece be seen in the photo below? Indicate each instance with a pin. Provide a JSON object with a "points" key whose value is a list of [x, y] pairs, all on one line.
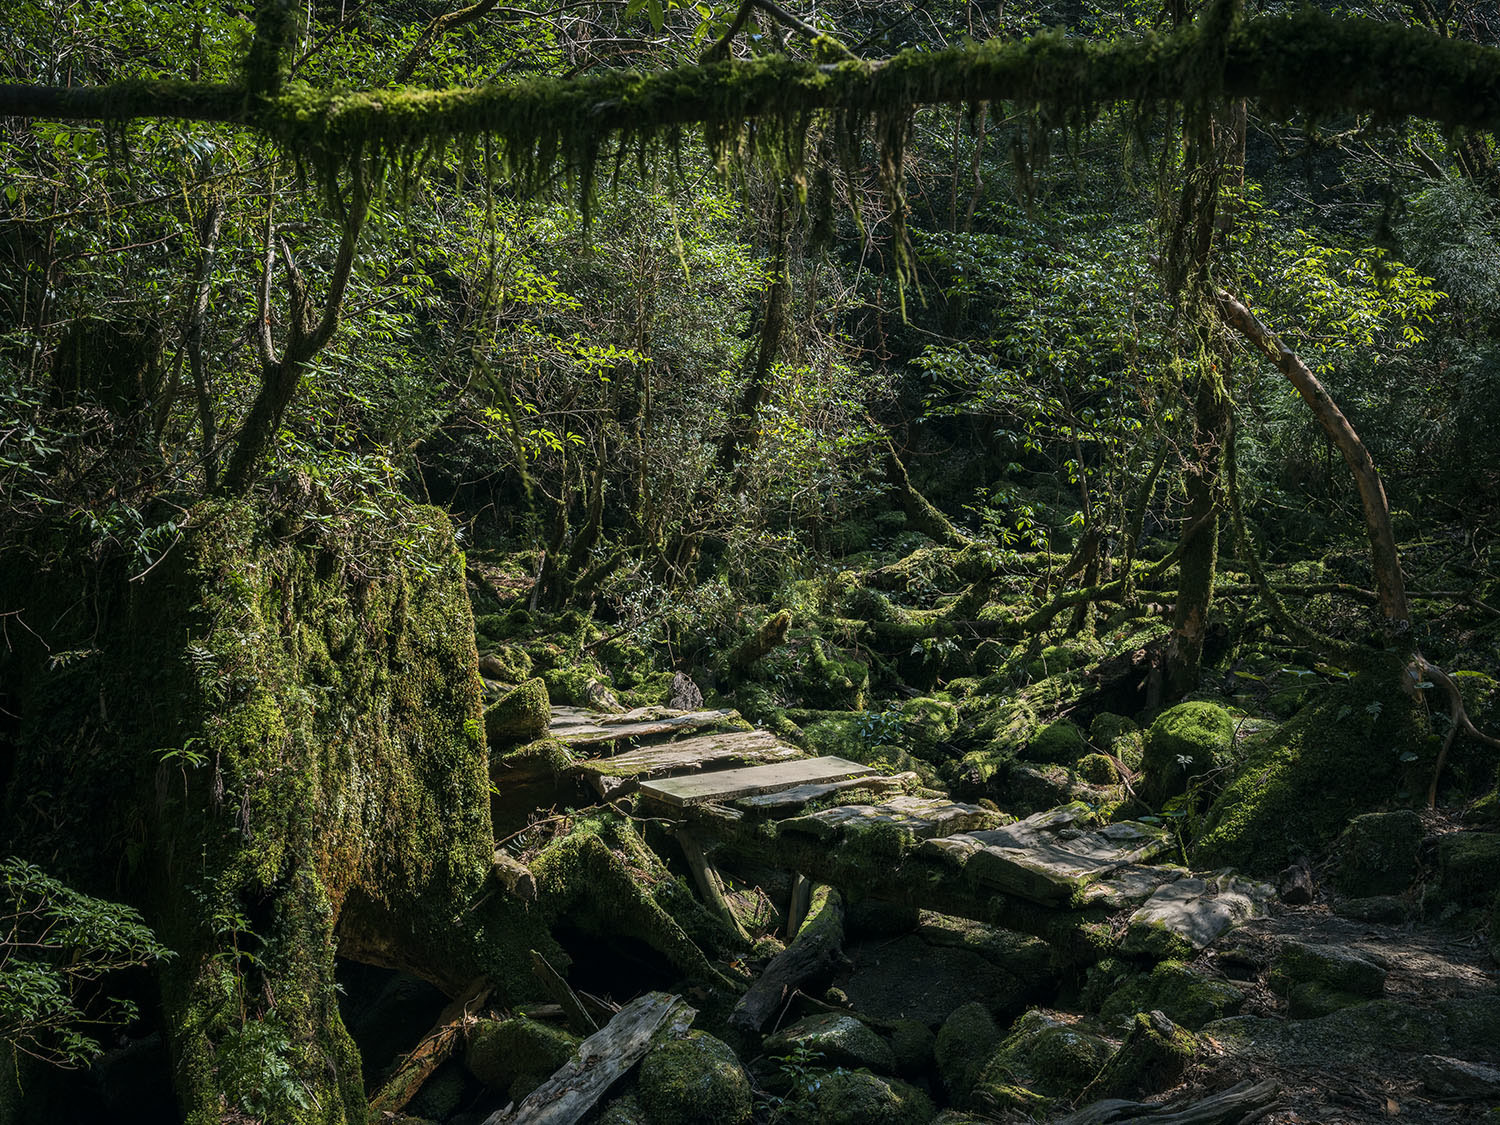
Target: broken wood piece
{"points": [[794, 800], [709, 883], [430, 1052], [1243, 1102], [815, 952], [801, 903], [513, 875], [622, 773], [598, 730], [727, 785], [579, 1021], [600, 1061]]}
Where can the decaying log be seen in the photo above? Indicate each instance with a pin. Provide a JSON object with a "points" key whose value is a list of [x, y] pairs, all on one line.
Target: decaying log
{"points": [[600, 1061], [579, 1021], [1238, 1105], [513, 875], [814, 952], [709, 883], [429, 1054]]}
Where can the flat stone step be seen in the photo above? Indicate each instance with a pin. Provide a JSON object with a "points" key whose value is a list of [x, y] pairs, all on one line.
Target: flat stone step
{"points": [[921, 817], [1046, 858], [583, 728], [734, 748], [788, 802], [1190, 914], [728, 785]]}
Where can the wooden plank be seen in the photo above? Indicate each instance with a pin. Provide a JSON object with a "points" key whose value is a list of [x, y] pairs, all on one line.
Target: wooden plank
{"points": [[727, 785], [600, 1061], [794, 800], [624, 771], [921, 817], [598, 730]]}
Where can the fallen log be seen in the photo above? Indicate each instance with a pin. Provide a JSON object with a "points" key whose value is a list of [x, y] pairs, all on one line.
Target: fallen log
{"points": [[1238, 1105], [814, 952], [600, 1061], [513, 875], [430, 1053]]}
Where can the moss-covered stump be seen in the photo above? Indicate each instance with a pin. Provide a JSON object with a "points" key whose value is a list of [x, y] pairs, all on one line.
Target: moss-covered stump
{"points": [[1184, 742], [856, 1097], [694, 1081], [516, 1056], [1301, 784], [520, 715], [1377, 854], [276, 748], [1178, 991]]}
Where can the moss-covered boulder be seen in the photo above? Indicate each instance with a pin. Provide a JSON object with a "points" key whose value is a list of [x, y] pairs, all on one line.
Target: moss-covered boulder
{"points": [[520, 715], [1469, 867], [1153, 1056], [857, 1097], [964, 1044], [913, 1046], [1317, 979], [695, 1080], [1044, 1057], [516, 1056], [507, 663], [1377, 854], [837, 1039], [1060, 743], [928, 722], [1302, 783], [1184, 742], [1182, 993], [1097, 769]]}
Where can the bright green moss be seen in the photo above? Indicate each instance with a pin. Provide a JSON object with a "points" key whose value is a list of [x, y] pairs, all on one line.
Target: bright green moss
{"points": [[1184, 742], [694, 1079]]}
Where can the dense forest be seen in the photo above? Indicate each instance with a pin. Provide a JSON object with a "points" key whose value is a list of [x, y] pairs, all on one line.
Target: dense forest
{"points": [[634, 561]]}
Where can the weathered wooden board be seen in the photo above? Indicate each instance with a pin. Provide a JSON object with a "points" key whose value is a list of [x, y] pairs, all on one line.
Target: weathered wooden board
{"points": [[727, 785], [600, 1061], [578, 731], [623, 771], [794, 800], [921, 817]]}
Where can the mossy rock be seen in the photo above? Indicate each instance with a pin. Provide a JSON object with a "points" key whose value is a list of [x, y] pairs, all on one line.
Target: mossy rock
{"points": [[1107, 726], [625, 1110], [499, 1052], [1304, 781], [519, 716], [1184, 742], [837, 1039], [1467, 866], [927, 721], [914, 1047], [509, 664], [695, 1080], [1152, 1058], [1044, 1055], [1378, 853], [964, 1044], [857, 1097], [441, 1095], [1183, 994], [1058, 743], [1318, 979], [1097, 769]]}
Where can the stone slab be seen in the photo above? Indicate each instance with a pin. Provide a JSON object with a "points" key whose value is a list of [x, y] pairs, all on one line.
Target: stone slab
{"points": [[728, 785], [921, 817], [732, 748], [1192, 913]]}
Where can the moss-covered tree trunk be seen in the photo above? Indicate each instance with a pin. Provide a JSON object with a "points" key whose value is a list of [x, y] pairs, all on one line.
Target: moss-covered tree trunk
{"points": [[273, 747], [1198, 559]]}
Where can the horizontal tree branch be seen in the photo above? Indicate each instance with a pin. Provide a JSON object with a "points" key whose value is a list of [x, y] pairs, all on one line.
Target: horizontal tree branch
{"points": [[1310, 61]]}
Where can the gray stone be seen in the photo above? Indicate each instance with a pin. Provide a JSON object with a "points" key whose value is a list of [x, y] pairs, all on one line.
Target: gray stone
{"points": [[1189, 915], [684, 695], [1334, 966], [1456, 1078]]}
